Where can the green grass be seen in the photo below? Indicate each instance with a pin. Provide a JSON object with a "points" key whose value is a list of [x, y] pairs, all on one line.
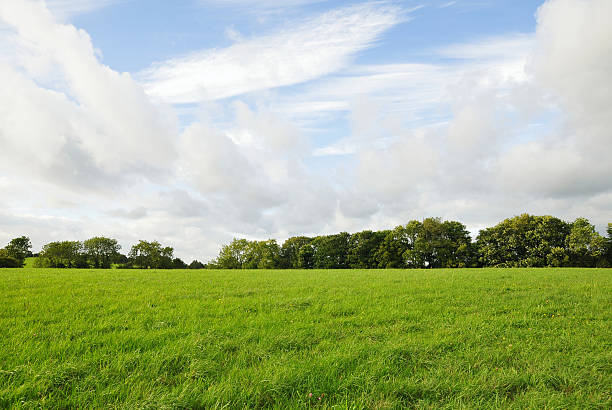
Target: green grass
{"points": [[517, 338], [29, 262]]}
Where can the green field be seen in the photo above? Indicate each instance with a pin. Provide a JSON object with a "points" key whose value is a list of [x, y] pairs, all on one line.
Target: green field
{"points": [[354, 339]]}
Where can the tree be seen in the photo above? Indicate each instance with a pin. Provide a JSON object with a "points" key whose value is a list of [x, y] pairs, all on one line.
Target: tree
{"points": [[151, 255], [390, 253], [587, 248], [262, 255], [195, 264], [524, 241], [362, 249], [331, 251], [19, 249], [232, 255], [8, 261], [306, 256], [177, 263], [65, 254], [101, 252], [437, 244], [289, 252]]}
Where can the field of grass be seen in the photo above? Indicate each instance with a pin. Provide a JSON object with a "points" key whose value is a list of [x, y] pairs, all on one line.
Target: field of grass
{"points": [[514, 338]]}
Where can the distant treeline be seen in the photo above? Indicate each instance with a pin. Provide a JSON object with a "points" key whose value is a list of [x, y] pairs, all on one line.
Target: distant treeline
{"points": [[98, 252], [521, 241]]}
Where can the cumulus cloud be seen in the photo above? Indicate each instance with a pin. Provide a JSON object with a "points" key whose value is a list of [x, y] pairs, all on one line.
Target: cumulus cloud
{"points": [[572, 63], [93, 125]]}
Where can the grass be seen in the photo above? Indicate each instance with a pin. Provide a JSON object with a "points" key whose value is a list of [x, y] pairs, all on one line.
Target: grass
{"points": [[511, 338]]}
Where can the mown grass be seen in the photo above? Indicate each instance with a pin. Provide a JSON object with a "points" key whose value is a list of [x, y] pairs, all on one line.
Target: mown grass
{"points": [[515, 338]]}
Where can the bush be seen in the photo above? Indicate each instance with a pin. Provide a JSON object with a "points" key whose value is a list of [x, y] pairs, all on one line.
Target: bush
{"points": [[9, 262]]}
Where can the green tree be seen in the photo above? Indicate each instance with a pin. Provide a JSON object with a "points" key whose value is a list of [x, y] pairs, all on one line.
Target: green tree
{"points": [[151, 255], [362, 249], [8, 261], [289, 252], [524, 241], [262, 255], [195, 264], [437, 244], [19, 249], [101, 252], [390, 253], [232, 255], [65, 254], [306, 256], [331, 251], [587, 247], [177, 263]]}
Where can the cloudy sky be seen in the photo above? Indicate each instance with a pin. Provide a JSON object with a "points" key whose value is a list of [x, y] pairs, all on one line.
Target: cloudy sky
{"points": [[196, 121]]}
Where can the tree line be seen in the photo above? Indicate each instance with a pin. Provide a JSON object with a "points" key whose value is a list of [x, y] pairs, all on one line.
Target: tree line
{"points": [[522, 241], [97, 252]]}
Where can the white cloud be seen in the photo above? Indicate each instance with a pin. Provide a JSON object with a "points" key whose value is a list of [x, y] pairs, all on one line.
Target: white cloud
{"points": [[64, 9], [95, 125], [311, 49]]}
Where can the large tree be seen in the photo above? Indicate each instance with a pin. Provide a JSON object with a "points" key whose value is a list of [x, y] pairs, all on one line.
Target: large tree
{"points": [[290, 251], [587, 247], [390, 253], [262, 255], [101, 252], [362, 249], [65, 254], [18, 249], [437, 244], [331, 251], [232, 255], [524, 241], [151, 255]]}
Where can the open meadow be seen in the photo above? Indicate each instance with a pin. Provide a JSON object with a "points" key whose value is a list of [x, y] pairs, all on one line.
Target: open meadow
{"points": [[471, 338]]}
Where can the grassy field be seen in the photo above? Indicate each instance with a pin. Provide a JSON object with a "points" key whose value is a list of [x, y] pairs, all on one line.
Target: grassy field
{"points": [[514, 338]]}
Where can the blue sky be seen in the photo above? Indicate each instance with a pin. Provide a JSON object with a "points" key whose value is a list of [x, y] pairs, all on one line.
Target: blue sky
{"points": [[195, 121]]}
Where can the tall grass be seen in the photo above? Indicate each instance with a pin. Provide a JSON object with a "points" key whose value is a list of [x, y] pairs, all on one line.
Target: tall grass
{"points": [[514, 338]]}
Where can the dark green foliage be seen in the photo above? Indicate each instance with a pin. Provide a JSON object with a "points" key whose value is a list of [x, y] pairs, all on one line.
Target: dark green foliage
{"points": [[362, 249], [9, 262], [525, 241], [65, 254], [609, 246], [177, 263], [331, 251], [196, 265], [521, 241], [306, 256], [437, 244], [18, 249], [151, 255], [390, 253], [262, 255], [290, 252], [587, 248], [101, 252], [232, 255]]}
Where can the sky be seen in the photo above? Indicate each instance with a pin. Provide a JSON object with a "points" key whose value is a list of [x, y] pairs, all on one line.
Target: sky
{"points": [[192, 122]]}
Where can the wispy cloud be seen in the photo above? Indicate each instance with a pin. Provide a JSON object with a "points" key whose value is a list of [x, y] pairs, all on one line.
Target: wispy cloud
{"points": [[313, 48], [64, 9]]}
